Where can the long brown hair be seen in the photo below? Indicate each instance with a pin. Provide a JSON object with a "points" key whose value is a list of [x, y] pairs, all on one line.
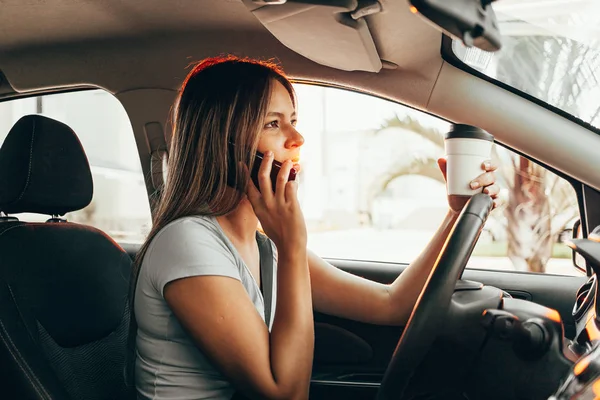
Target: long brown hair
{"points": [[222, 99]]}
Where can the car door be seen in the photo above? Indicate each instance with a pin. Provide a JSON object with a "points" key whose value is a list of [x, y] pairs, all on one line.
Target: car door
{"points": [[351, 357]]}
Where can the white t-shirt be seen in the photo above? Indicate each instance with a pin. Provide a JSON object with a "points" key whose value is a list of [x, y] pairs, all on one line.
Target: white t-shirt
{"points": [[168, 364]]}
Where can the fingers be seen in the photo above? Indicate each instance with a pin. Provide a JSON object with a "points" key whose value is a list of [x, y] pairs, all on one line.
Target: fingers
{"points": [[489, 166], [264, 176], [291, 191], [252, 191], [282, 180], [492, 190], [485, 179]]}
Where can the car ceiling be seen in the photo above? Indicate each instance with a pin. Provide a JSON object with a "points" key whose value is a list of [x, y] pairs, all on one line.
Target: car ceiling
{"points": [[150, 42], [130, 46]]}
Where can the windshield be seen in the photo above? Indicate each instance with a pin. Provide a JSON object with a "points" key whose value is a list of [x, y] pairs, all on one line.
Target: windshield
{"points": [[550, 50]]}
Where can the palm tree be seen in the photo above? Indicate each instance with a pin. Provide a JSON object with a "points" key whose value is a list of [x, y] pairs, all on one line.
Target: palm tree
{"points": [[553, 213], [424, 166], [559, 71]]}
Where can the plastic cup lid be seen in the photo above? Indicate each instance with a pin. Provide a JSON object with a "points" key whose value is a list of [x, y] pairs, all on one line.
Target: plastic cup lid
{"points": [[462, 131]]}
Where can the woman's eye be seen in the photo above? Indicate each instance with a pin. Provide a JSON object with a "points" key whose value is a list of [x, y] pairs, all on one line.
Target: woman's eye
{"points": [[294, 122], [272, 124]]}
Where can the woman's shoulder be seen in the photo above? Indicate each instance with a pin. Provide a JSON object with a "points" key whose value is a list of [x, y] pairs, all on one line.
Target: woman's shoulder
{"points": [[188, 246], [191, 225], [193, 234]]}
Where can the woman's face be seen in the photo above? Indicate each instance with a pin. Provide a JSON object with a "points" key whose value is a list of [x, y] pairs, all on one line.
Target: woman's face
{"points": [[279, 132]]}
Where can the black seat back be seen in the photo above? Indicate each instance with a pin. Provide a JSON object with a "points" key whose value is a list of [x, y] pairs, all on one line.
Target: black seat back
{"points": [[64, 311]]}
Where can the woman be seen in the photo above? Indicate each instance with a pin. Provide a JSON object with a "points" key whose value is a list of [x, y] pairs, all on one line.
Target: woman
{"points": [[202, 331]]}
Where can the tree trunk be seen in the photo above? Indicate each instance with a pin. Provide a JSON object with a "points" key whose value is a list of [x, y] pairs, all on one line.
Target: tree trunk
{"points": [[529, 226], [528, 214]]}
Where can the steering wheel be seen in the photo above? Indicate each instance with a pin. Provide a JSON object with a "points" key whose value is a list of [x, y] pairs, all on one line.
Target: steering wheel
{"points": [[431, 307]]}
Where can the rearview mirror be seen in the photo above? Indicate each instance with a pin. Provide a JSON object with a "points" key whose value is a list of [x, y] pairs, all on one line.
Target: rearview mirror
{"points": [[578, 260], [471, 21]]}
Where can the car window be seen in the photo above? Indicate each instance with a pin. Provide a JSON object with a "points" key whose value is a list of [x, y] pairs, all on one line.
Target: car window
{"points": [[371, 189], [546, 52], [120, 204]]}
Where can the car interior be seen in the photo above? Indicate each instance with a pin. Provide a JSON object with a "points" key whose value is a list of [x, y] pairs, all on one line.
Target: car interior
{"points": [[64, 312]]}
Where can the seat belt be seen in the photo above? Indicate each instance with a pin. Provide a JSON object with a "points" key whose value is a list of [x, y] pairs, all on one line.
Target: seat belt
{"points": [[266, 273], [266, 279]]}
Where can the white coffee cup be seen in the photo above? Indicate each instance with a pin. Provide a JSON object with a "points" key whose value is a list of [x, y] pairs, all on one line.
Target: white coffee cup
{"points": [[467, 147]]}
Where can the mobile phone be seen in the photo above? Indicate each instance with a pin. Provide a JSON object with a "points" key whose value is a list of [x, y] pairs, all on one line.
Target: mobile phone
{"points": [[258, 159]]}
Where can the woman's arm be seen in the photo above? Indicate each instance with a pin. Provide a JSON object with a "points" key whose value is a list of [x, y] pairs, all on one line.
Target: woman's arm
{"points": [[345, 295], [340, 293], [218, 314]]}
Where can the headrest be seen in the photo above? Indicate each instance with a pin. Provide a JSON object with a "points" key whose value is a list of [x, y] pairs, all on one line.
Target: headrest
{"points": [[43, 169]]}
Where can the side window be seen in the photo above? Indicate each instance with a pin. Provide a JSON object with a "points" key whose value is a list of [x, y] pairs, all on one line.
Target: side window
{"points": [[537, 211], [371, 188], [120, 204]]}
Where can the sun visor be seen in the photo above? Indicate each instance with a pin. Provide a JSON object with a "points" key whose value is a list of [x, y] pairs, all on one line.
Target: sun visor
{"points": [[335, 34]]}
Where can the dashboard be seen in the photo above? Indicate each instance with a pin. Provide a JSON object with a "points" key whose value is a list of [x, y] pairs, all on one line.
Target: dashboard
{"points": [[583, 381], [585, 313]]}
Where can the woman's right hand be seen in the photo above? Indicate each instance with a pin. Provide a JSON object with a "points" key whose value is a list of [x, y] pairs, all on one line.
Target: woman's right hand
{"points": [[278, 210]]}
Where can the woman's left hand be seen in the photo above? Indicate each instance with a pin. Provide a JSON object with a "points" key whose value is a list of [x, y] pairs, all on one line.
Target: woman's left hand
{"points": [[487, 180]]}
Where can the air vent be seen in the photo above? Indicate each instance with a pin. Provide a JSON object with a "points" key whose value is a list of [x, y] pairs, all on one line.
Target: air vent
{"points": [[585, 298]]}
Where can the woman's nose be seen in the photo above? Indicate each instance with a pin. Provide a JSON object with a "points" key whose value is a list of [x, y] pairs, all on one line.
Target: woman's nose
{"points": [[295, 139]]}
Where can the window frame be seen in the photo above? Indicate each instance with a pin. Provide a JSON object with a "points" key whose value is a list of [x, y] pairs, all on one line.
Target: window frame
{"points": [[451, 58], [577, 185], [349, 89], [47, 92], [75, 89]]}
